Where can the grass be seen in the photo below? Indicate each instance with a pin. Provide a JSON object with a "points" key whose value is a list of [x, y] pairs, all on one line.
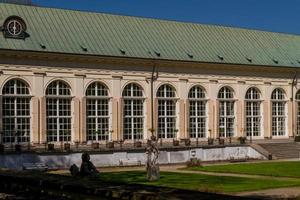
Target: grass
{"points": [[199, 182], [277, 169]]}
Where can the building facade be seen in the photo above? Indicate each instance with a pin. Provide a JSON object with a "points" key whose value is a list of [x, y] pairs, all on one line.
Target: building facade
{"points": [[54, 91]]}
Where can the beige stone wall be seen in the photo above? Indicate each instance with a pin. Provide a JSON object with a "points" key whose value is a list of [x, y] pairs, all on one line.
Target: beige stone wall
{"points": [[182, 76]]}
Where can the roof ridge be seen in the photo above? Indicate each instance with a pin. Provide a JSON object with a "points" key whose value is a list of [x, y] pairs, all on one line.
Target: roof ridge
{"points": [[153, 18]]}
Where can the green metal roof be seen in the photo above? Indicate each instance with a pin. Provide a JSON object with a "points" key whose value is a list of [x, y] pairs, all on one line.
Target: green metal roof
{"points": [[67, 31]]}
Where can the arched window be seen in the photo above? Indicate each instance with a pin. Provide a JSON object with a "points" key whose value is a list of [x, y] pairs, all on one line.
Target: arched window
{"points": [[166, 112], [58, 109], [226, 112], [298, 112], [197, 112], [97, 112], [253, 112], [278, 112], [16, 111], [133, 112]]}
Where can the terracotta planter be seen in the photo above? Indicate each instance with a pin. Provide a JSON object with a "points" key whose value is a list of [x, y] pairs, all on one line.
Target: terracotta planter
{"points": [[95, 145], [176, 142], [50, 147], [67, 146], [18, 148]]}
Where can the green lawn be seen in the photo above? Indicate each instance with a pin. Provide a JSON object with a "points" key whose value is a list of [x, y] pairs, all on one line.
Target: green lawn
{"points": [[284, 169], [200, 182]]}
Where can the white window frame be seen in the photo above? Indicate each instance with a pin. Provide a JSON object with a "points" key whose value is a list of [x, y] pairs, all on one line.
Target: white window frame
{"points": [[166, 96], [278, 104], [133, 97], [253, 98], [58, 100], [197, 97], [13, 97], [98, 100], [226, 100]]}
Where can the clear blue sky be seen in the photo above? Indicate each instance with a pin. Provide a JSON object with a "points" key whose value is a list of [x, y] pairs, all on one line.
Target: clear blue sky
{"points": [[269, 15]]}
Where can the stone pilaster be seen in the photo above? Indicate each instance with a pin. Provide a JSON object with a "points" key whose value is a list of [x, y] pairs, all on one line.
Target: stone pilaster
{"points": [[290, 119], [187, 117], [239, 118], [43, 121], [148, 114], [267, 119], [216, 119], [35, 137], [83, 129], [182, 120], [76, 120], [115, 110]]}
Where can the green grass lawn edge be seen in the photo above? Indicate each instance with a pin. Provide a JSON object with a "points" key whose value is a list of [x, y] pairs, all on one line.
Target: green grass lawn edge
{"points": [[289, 169]]}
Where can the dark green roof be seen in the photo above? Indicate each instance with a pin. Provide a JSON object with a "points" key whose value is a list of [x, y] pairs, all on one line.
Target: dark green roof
{"points": [[73, 32]]}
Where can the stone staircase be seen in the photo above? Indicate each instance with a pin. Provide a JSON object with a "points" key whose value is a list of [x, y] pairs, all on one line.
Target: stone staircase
{"points": [[282, 150]]}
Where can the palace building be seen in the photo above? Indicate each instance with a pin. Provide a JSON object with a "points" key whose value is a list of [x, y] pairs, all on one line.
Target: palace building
{"points": [[72, 76]]}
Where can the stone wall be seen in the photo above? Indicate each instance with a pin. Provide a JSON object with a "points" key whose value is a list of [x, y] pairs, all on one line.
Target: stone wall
{"points": [[53, 161]]}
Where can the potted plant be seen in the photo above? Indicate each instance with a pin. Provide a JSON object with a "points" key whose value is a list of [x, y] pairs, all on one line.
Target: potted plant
{"points": [[1, 144], [175, 140], [18, 147], [138, 143], [67, 146], [187, 142], [95, 144], [210, 141], [221, 141], [242, 140], [297, 138], [50, 147], [77, 144]]}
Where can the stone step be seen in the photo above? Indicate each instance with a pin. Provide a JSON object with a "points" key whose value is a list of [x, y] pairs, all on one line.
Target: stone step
{"points": [[284, 150]]}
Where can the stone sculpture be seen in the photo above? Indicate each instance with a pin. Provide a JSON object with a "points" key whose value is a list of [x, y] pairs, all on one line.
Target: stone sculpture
{"points": [[87, 168], [152, 166]]}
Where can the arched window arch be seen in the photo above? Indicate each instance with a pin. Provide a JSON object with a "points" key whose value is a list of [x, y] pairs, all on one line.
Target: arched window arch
{"points": [[16, 111], [198, 116], [298, 111], [226, 112], [133, 112], [278, 112], [58, 111], [253, 112], [97, 112], [166, 112]]}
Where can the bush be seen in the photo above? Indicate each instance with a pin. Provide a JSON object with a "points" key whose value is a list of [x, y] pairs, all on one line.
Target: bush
{"points": [[194, 162], [242, 140], [297, 138]]}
